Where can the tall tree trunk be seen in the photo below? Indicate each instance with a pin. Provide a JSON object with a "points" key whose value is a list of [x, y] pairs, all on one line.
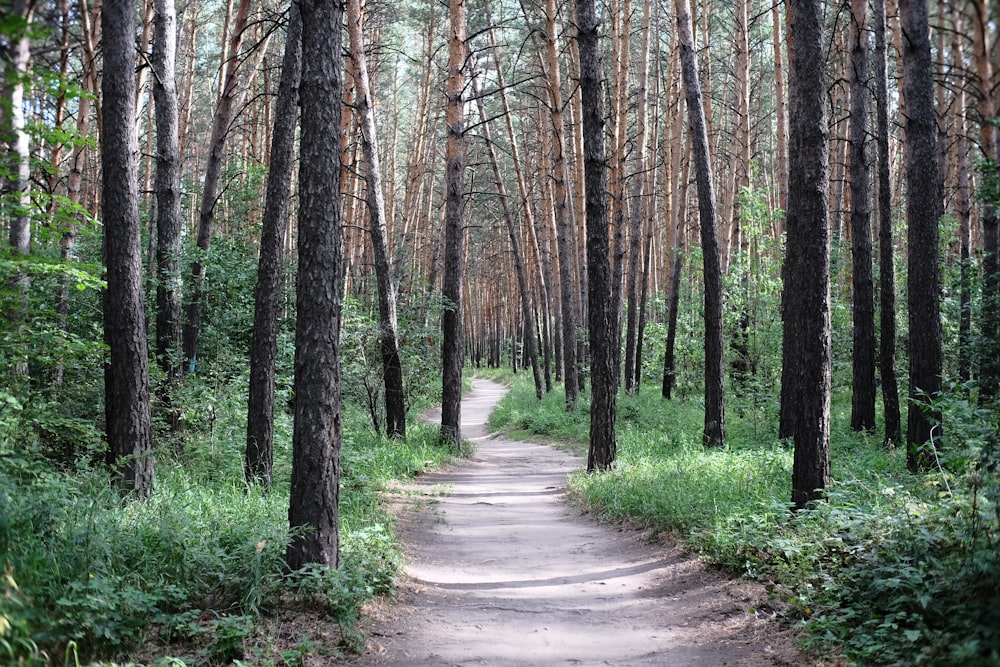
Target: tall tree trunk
{"points": [[229, 100], [887, 272], [984, 42], [715, 410], [392, 368], [563, 219], [805, 307], [781, 116], [863, 386], [677, 250], [318, 429], [739, 173], [602, 315], [452, 352], [964, 206], [126, 376], [648, 271], [168, 201], [923, 207], [638, 209], [186, 92], [259, 459], [18, 170]]}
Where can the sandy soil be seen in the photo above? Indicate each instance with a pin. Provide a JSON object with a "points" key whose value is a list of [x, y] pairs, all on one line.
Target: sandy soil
{"points": [[504, 571]]}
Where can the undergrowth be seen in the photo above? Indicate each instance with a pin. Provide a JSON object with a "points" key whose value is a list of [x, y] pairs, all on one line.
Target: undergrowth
{"points": [[892, 569], [191, 572]]}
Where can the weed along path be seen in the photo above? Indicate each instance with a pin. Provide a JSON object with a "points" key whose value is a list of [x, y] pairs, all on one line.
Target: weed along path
{"points": [[504, 571]]}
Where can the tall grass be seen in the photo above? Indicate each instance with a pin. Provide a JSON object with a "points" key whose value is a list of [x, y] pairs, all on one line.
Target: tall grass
{"points": [[194, 568]]}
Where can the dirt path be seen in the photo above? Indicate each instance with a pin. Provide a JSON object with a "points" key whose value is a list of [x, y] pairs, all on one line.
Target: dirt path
{"points": [[503, 571]]}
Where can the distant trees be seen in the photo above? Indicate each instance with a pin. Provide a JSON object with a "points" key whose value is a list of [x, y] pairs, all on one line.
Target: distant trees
{"points": [[887, 279], [581, 230], [392, 371]]}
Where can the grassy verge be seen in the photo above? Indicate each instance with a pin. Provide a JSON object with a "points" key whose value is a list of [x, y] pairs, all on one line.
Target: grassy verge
{"points": [[197, 572], [893, 569]]}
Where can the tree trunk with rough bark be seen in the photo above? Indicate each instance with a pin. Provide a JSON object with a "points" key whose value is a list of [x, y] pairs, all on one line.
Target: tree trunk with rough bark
{"points": [[168, 201], [452, 349], [714, 433], [637, 213], [987, 86], [259, 459], [318, 429], [563, 219], [923, 208], [603, 317], [126, 375], [887, 272], [805, 308], [17, 166], [863, 385]]}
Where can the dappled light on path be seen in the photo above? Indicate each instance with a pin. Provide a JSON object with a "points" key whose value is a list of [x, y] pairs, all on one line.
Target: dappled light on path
{"points": [[503, 570]]}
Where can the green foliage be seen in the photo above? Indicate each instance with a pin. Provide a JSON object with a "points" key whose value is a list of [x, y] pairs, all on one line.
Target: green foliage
{"points": [[988, 191], [753, 304], [196, 565]]}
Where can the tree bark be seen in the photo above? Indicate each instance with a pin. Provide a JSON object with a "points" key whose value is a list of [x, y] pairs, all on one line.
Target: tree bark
{"points": [[259, 459], [781, 116], [563, 219], [863, 386], [923, 208], [805, 308], [887, 272], [392, 368], [452, 349], [988, 106], [17, 165], [714, 433], [126, 375], [318, 428], [677, 250], [602, 315], [168, 200]]}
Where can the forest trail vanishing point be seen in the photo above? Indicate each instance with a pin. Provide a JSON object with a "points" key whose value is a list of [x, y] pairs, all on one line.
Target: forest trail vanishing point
{"points": [[503, 571]]}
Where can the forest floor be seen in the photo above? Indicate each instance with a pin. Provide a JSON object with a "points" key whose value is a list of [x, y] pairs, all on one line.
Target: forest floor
{"points": [[502, 570]]}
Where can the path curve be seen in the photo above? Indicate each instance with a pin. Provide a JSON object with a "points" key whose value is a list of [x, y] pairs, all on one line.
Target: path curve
{"points": [[503, 571]]}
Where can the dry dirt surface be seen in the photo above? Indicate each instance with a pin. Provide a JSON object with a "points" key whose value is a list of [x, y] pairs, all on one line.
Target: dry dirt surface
{"points": [[504, 571]]}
